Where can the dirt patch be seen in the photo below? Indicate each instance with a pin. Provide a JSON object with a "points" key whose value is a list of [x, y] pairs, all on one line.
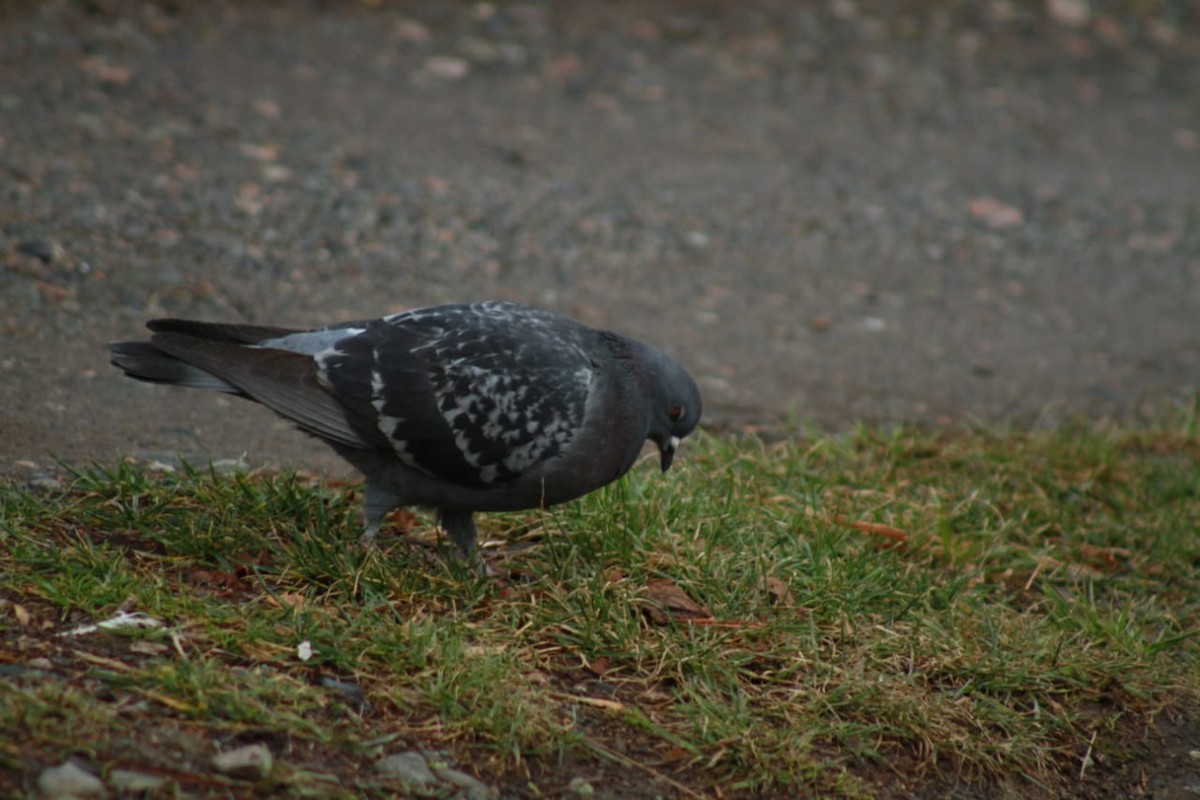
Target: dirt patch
{"points": [[838, 212]]}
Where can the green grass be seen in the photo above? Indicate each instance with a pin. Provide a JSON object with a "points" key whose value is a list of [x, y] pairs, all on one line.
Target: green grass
{"points": [[1044, 601]]}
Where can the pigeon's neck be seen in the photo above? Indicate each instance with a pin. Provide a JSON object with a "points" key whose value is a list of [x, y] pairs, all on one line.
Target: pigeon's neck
{"points": [[622, 349], [628, 355], [635, 361]]}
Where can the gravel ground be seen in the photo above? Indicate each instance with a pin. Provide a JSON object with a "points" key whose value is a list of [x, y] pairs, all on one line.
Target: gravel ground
{"points": [[826, 211]]}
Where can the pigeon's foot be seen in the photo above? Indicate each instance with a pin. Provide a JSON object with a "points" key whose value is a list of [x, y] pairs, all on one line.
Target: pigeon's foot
{"points": [[369, 537]]}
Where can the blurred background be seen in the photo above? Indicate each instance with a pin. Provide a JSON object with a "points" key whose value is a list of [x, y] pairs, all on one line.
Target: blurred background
{"points": [[930, 212]]}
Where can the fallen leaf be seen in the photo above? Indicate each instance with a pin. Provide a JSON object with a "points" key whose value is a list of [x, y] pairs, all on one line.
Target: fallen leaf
{"points": [[614, 575], [878, 529], [778, 592], [1108, 557], [674, 754], [666, 601], [401, 520], [599, 665], [291, 599], [260, 652], [213, 578]]}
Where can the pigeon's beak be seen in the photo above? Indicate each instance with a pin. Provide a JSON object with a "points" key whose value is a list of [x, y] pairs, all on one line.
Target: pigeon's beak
{"points": [[668, 452]]}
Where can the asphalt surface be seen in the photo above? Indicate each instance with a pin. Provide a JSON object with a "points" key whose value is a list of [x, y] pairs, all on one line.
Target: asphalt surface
{"points": [[829, 213]]}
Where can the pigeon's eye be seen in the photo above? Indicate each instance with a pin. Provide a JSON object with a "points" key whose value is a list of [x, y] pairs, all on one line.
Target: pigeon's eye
{"points": [[676, 412]]}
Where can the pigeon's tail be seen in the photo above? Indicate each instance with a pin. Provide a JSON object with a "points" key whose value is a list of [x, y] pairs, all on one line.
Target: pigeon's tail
{"points": [[271, 366], [144, 361], [220, 331]]}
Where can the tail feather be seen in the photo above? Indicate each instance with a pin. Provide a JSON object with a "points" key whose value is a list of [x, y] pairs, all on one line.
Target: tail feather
{"points": [[227, 333], [144, 361], [283, 381], [271, 366]]}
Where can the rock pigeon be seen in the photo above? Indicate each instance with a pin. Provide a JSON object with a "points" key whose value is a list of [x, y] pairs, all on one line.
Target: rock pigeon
{"points": [[489, 406]]}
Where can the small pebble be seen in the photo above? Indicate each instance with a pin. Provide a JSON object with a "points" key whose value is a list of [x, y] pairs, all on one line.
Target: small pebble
{"points": [[350, 692], [983, 369], [44, 251], [229, 466], [874, 324], [470, 788], [127, 781], [447, 68], [69, 780], [581, 787], [480, 51], [252, 762], [409, 770]]}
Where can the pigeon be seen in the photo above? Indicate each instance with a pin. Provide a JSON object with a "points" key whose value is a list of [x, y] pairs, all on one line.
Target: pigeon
{"points": [[487, 406]]}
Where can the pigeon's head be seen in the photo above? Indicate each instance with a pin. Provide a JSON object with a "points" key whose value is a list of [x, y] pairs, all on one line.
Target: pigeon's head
{"points": [[675, 405]]}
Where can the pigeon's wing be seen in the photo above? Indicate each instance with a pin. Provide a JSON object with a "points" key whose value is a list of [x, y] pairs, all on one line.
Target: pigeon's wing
{"points": [[474, 395], [282, 380]]}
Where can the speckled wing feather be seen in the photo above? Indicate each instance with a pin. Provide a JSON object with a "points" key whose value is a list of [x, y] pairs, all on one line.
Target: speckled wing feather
{"points": [[474, 395]]}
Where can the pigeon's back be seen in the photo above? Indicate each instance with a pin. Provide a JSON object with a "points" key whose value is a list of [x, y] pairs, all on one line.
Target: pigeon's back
{"points": [[476, 395]]}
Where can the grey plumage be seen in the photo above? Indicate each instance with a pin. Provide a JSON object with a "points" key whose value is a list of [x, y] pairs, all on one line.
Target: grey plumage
{"points": [[489, 406]]}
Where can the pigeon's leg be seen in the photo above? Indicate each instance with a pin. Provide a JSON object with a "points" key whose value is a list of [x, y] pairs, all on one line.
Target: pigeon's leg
{"points": [[378, 502], [460, 527]]}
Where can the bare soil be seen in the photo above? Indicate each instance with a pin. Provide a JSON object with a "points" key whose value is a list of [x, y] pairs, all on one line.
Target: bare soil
{"points": [[836, 213]]}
